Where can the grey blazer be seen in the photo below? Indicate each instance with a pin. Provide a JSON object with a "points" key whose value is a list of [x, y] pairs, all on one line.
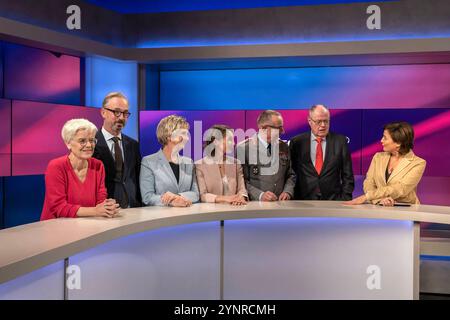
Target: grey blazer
{"points": [[257, 181], [156, 178]]}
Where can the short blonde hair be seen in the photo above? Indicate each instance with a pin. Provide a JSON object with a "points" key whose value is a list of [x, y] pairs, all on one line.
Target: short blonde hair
{"points": [[71, 128], [168, 125]]}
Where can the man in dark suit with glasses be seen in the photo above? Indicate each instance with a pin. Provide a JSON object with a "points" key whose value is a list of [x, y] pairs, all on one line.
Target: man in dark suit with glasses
{"points": [[119, 153], [321, 161]]}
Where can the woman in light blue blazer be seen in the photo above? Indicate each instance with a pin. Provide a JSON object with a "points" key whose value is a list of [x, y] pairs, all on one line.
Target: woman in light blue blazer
{"points": [[167, 178]]}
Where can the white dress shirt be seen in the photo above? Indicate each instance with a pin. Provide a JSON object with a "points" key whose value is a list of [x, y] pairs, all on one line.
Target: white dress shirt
{"points": [[108, 137]]}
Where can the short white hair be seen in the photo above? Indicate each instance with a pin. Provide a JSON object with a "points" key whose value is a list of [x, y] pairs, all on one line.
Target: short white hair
{"points": [[71, 128]]}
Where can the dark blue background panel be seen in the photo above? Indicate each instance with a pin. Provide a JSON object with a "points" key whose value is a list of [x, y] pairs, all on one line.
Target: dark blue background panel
{"points": [[1, 204], [41, 75], [24, 197], [146, 6], [1, 69], [5, 137], [361, 87]]}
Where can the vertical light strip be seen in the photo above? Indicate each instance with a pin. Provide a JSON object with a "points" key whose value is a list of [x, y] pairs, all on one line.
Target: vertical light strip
{"points": [[104, 75]]}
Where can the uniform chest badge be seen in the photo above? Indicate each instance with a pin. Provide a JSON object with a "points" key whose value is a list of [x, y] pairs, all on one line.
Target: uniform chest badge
{"points": [[255, 170]]}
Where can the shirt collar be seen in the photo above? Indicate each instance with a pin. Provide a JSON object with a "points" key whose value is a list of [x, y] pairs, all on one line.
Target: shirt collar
{"points": [[263, 142], [108, 136], [313, 137]]}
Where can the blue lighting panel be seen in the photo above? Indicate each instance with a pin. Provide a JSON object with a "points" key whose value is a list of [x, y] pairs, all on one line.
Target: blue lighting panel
{"points": [[1, 69], [145, 6], [16, 210], [106, 75], [1, 204], [351, 87], [240, 89]]}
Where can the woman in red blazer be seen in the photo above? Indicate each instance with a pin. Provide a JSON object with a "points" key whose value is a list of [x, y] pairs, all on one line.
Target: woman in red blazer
{"points": [[75, 183]]}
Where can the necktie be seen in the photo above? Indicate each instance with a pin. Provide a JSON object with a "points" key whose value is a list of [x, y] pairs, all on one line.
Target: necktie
{"points": [[118, 158], [269, 149], [319, 156]]}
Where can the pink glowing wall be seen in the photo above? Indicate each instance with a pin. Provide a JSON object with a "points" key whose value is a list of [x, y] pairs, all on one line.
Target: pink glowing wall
{"points": [[41, 75], [5, 137], [432, 136], [36, 134]]}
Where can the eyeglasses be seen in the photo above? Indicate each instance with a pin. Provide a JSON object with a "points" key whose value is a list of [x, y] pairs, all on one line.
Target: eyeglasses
{"points": [[320, 122], [281, 128], [118, 113], [83, 142]]}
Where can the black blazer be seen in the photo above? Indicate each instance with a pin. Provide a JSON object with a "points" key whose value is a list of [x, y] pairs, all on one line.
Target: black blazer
{"points": [[336, 181], [132, 167]]}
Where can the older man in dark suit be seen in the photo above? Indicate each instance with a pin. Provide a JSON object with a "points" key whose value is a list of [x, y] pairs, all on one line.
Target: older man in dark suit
{"points": [[321, 161], [119, 153]]}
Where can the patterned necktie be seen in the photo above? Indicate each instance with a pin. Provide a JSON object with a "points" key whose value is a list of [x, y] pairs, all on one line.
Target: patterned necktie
{"points": [[319, 156], [118, 158]]}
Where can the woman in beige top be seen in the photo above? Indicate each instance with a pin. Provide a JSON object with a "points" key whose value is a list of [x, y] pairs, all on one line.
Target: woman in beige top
{"points": [[219, 177], [394, 174]]}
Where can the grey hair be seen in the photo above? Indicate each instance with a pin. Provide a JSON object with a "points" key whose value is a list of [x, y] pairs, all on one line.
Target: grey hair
{"points": [[266, 115], [111, 95], [314, 107], [71, 128]]}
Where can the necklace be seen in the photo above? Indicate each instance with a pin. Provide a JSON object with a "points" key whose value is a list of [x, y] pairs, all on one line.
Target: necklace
{"points": [[392, 164]]}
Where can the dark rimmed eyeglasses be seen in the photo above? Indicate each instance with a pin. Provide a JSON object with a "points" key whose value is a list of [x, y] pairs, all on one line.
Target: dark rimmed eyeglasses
{"points": [[320, 122], [280, 128], [118, 113]]}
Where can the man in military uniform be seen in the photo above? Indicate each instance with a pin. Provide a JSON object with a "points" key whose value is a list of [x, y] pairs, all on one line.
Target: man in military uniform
{"points": [[266, 161]]}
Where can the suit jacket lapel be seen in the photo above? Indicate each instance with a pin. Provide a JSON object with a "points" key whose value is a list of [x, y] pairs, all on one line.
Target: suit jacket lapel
{"points": [[103, 148], [328, 151], [230, 173], [253, 148], [182, 173], [308, 153], [166, 167], [382, 168], [127, 153], [402, 165], [212, 171]]}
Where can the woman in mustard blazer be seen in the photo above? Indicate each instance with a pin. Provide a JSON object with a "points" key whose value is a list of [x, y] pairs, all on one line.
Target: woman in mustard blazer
{"points": [[219, 177], [394, 174]]}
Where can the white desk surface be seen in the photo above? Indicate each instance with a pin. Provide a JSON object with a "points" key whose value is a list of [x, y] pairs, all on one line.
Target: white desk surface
{"points": [[29, 247]]}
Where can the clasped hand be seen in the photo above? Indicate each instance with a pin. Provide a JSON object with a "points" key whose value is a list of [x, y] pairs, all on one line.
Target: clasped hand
{"points": [[175, 200], [108, 209], [270, 196]]}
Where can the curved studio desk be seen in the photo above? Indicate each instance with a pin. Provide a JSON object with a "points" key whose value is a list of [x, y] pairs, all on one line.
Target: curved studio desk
{"points": [[279, 250]]}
